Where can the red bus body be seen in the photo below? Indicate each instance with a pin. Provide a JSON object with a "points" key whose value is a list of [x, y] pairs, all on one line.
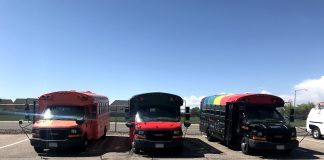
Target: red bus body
{"points": [[64, 133], [155, 133]]}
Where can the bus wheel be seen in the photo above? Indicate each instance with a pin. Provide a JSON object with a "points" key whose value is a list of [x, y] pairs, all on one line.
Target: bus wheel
{"points": [[136, 150], [316, 133], [245, 146], [38, 149], [85, 143], [104, 135], [210, 138]]}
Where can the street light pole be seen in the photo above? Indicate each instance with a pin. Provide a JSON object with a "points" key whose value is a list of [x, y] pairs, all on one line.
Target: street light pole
{"points": [[296, 94]]}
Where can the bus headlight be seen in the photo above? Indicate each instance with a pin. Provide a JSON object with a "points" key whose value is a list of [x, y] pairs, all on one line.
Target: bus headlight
{"points": [[35, 133], [139, 134], [74, 131], [259, 134], [177, 132]]}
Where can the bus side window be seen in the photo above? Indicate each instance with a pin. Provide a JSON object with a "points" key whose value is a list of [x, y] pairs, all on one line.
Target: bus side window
{"points": [[94, 112]]}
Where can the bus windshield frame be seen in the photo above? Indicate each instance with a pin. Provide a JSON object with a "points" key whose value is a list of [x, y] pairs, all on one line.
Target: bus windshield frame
{"points": [[259, 113], [158, 114], [63, 112]]}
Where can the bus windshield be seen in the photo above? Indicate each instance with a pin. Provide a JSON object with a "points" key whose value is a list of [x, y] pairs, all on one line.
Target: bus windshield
{"points": [[63, 113], [263, 114], [155, 114]]}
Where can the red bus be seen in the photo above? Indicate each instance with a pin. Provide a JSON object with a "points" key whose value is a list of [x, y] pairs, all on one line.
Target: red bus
{"points": [[69, 119], [154, 121]]}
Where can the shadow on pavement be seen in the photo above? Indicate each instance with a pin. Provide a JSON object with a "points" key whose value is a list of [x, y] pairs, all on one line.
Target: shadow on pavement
{"points": [[299, 153], [117, 144], [193, 148]]}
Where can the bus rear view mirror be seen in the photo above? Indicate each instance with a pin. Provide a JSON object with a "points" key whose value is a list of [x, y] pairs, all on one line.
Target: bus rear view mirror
{"points": [[187, 113], [292, 115], [187, 124], [130, 124], [27, 112], [79, 121]]}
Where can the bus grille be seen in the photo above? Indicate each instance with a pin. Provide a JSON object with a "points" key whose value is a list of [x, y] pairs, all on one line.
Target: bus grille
{"points": [[54, 134], [159, 135], [276, 137]]}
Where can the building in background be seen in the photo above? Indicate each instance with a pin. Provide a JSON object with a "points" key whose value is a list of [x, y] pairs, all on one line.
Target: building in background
{"points": [[6, 104], [118, 107], [18, 105]]}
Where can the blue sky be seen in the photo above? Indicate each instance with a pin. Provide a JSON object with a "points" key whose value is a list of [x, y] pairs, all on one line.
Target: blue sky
{"points": [[190, 48]]}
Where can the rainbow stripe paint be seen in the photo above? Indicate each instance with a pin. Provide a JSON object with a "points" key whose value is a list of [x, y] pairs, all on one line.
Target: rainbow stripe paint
{"points": [[222, 100]]}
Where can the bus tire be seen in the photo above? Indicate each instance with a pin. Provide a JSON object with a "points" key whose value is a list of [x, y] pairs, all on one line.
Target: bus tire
{"points": [[38, 150], [136, 150], [84, 145], [104, 135], [210, 138], [316, 133], [245, 148]]}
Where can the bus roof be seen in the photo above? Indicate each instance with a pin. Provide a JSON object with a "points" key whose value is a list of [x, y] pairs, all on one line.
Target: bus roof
{"points": [[86, 94], [157, 98], [222, 100]]}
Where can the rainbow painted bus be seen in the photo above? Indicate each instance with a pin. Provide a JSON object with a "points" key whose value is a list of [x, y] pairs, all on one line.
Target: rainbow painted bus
{"points": [[247, 121]]}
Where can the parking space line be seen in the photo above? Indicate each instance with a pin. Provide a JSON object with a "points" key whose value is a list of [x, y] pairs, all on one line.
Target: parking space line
{"points": [[13, 143]]}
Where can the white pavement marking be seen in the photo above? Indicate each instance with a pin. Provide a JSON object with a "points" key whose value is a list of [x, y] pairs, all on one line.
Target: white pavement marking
{"points": [[13, 144]]}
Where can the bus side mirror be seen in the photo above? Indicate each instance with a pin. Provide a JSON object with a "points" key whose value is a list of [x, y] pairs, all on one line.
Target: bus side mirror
{"points": [[187, 124], [130, 124], [79, 121], [27, 111], [292, 115], [187, 113]]}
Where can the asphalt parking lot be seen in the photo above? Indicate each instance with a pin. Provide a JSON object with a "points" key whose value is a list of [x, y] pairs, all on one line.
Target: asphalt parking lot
{"points": [[115, 146]]}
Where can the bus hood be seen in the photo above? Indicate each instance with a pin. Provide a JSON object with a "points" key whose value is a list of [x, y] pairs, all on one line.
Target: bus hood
{"points": [[157, 125], [55, 124], [273, 127]]}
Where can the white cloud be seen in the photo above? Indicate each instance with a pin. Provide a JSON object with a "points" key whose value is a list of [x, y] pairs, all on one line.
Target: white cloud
{"points": [[193, 101], [265, 92], [314, 93], [287, 98]]}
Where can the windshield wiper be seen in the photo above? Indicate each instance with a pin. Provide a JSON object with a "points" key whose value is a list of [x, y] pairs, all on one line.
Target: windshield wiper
{"points": [[274, 121]]}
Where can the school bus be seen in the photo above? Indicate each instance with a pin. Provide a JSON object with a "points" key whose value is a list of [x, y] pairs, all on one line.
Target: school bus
{"points": [[69, 119], [154, 121], [248, 121]]}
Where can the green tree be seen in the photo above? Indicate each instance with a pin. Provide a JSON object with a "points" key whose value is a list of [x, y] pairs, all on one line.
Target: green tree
{"points": [[302, 110], [195, 112]]}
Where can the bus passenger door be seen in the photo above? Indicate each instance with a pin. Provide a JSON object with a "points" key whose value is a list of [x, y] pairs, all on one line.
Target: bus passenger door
{"points": [[232, 121]]}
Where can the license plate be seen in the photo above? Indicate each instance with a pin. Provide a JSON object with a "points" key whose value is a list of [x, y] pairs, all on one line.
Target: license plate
{"points": [[52, 145], [159, 145], [280, 147]]}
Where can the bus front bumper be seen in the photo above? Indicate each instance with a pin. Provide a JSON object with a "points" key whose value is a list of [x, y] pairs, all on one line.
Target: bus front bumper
{"points": [[262, 145], [147, 145], [56, 144]]}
